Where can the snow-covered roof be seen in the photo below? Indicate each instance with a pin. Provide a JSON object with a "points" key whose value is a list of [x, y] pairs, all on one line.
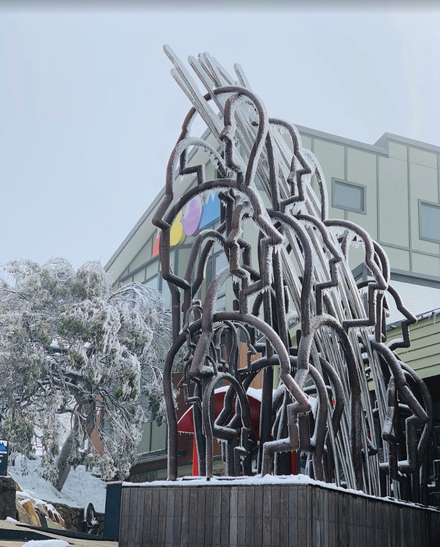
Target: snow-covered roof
{"points": [[420, 300]]}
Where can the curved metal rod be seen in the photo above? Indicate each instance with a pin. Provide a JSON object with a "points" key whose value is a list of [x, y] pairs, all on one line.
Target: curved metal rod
{"points": [[228, 133], [179, 340], [306, 290], [338, 393], [427, 400], [368, 246], [212, 428], [319, 433], [304, 350]]}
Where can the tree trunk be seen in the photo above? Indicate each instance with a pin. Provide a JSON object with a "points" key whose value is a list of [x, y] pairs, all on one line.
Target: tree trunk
{"points": [[62, 463]]}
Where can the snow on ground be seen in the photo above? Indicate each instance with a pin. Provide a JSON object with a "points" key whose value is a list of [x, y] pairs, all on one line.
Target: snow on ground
{"points": [[81, 487], [46, 543]]}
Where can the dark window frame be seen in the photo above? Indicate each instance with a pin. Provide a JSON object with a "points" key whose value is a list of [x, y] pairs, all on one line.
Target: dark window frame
{"points": [[354, 185], [431, 205]]}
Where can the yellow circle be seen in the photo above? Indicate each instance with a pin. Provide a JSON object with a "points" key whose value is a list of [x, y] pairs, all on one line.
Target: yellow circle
{"points": [[177, 235]]}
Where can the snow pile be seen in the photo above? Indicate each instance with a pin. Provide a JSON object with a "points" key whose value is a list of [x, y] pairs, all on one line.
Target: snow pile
{"points": [[31, 504], [47, 543], [81, 487]]}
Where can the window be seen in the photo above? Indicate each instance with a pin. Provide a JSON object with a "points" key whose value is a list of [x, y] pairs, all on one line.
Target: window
{"points": [[166, 294], [152, 269], [216, 263], [429, 221], [220, 262], [182, 259], [154, 437], [139, 277], [348, 195], [153, 282]]}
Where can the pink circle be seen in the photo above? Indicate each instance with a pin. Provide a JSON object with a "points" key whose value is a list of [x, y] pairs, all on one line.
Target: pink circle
{"points": [[192, 216]]}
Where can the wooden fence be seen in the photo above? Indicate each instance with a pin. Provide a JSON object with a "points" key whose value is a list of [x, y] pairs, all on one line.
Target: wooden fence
{"points": [[269, 515]]}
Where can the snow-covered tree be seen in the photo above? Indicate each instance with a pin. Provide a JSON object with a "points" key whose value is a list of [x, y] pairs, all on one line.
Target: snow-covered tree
{"points": [[72, 352]]}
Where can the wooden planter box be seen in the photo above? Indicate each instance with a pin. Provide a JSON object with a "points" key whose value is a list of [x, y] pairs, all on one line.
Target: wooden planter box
{"points": [[268, 514]]}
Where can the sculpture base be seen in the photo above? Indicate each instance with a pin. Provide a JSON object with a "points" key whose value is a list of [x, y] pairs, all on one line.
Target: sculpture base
{"points": [[271, 512], [7, 498]]}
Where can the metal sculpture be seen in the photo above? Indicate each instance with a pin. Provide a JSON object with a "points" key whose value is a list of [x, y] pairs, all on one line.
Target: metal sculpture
{"points": [[355, 414]]}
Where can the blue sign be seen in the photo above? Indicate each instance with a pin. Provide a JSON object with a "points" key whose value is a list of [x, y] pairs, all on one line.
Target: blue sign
{"points": [[3, 458]]}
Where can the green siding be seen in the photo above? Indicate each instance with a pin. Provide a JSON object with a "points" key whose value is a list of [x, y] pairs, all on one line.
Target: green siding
{"points": [[424, 354]]}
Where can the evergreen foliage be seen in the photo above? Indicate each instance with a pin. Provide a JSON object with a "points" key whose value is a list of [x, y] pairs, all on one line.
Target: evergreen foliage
{"points": [[72, 352]]}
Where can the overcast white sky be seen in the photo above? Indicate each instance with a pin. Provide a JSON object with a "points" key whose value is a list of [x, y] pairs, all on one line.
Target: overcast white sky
{"points": [[89, 112]]}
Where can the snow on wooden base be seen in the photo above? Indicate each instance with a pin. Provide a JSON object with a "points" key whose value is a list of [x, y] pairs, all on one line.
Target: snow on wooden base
{"points": [[269, 514]]}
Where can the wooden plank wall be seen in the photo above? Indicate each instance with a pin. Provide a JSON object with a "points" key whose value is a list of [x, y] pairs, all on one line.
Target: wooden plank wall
{"points": [[269, 515]]}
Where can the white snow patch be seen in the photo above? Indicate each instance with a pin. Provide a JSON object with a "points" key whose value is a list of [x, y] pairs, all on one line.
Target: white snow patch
{"points": [[269, 479], [46, 543], [81, 487], [25, 500]]}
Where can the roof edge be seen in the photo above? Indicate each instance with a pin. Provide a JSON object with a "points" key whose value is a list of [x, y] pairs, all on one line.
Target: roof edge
{"points": [[135, 228], [386, 137], [376, 148]]}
